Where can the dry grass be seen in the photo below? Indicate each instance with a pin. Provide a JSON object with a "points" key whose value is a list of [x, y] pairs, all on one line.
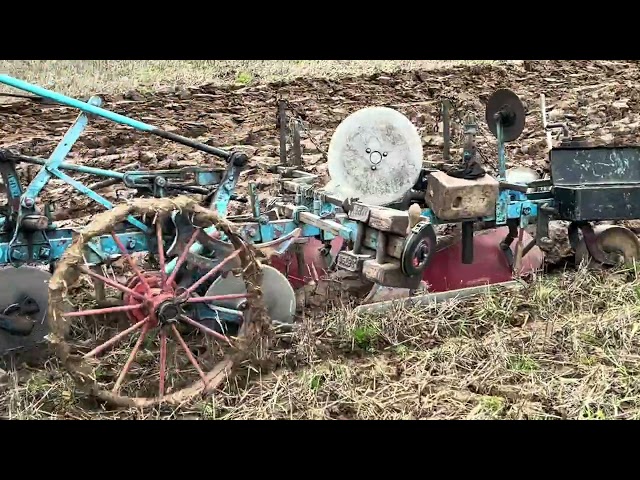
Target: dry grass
{"points": [[565, 348], [83, 77]]}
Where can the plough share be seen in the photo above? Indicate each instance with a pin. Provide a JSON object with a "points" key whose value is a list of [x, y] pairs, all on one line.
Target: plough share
{"points": [[199, 284]]}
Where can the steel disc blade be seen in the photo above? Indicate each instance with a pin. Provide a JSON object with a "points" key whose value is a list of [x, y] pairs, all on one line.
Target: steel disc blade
{"points": [[618, 242], [15, 283], [277, 292], [375, 155], [508, 102]]}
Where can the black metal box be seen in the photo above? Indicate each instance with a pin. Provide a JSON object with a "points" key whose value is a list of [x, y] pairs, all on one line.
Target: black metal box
{"points": [[596, 183], [592, 203]]}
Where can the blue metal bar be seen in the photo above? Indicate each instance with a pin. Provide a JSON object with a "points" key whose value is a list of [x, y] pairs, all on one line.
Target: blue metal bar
{"points": [[502, 161], [503, 197], [61, 151], [94, 196], [114, 117], [265, 233], [67, 166], [59, 240], [220, 202], [72, 102], [91, 170]]}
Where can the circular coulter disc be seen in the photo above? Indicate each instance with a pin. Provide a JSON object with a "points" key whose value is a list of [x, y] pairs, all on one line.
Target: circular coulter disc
{"points": [[15, 284], [618, 242], [507, 102], [375, 155], [277, 292]]}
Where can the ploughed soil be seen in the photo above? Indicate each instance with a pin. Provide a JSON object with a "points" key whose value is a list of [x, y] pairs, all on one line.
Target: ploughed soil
{"points": [[480, 358]]}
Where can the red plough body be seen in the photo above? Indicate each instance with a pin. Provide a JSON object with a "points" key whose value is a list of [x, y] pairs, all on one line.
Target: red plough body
{"points": [[446, 270]]}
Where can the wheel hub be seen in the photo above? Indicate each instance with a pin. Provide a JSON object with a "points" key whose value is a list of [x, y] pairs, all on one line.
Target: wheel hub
{"points": [[169, 312], [421, 255], [160, 305]]}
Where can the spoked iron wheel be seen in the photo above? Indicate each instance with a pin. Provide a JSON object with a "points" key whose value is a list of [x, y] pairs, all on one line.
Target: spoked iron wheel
{"points": [[168, 346]]}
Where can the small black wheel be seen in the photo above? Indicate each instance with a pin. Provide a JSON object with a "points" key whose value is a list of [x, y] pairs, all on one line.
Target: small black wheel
{"points": [[419, 248]]}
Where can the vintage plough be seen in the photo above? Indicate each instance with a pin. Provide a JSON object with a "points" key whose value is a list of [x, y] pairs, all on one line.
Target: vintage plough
{"points": [[211, 284]]}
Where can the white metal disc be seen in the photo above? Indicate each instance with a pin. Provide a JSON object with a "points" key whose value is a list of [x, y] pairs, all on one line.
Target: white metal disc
{"points": [[522, 175], [278, 294], [374, 155]]}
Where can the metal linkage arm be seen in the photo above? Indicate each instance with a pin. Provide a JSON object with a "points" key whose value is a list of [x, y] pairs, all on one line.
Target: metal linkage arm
{"points": [[238, 158]]}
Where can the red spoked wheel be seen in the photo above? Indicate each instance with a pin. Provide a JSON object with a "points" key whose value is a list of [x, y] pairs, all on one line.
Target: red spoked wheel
{"points": [[171, 343]]}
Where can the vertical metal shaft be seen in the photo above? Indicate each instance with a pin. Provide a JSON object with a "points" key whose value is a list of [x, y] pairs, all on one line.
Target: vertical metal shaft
{"points": [[502, 161], [296, 150], [467, 243], [446, 130], [282, 119]]}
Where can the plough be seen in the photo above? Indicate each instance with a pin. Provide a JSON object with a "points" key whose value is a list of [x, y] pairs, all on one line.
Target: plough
{"points": [[211, 282]]}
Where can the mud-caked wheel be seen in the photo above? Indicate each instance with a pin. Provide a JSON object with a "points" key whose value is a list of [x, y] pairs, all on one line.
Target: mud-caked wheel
{"points": [[157, 345]]}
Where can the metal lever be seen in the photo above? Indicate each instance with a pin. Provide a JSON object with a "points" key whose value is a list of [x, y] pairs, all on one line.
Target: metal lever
{"points": [[238, 158]]}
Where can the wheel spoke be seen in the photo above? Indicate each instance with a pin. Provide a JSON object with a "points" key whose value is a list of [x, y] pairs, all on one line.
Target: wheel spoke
{"points": [[163, 273], [182, 257], [111, 283], [131, 358], [210, 273], [314, 274], [103, 311], [132, 264], [112, 340], [163, 360], [217, 298], [193, 323], [184, 346]]}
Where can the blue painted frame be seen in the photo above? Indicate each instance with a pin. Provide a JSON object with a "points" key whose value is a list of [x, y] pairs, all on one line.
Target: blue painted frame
{"points": [[510, 205]]}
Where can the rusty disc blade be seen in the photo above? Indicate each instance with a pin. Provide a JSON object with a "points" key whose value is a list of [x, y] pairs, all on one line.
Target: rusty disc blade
{"points": [[277, 292], [15, 284]]}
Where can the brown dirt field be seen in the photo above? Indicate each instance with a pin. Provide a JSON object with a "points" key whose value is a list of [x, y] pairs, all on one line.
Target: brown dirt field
{"points": [[561, 349]]}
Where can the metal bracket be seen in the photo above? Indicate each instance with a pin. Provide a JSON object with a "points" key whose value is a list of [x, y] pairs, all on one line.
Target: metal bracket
{"points": [[94, 196], [295, 212], [58, 155]]}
